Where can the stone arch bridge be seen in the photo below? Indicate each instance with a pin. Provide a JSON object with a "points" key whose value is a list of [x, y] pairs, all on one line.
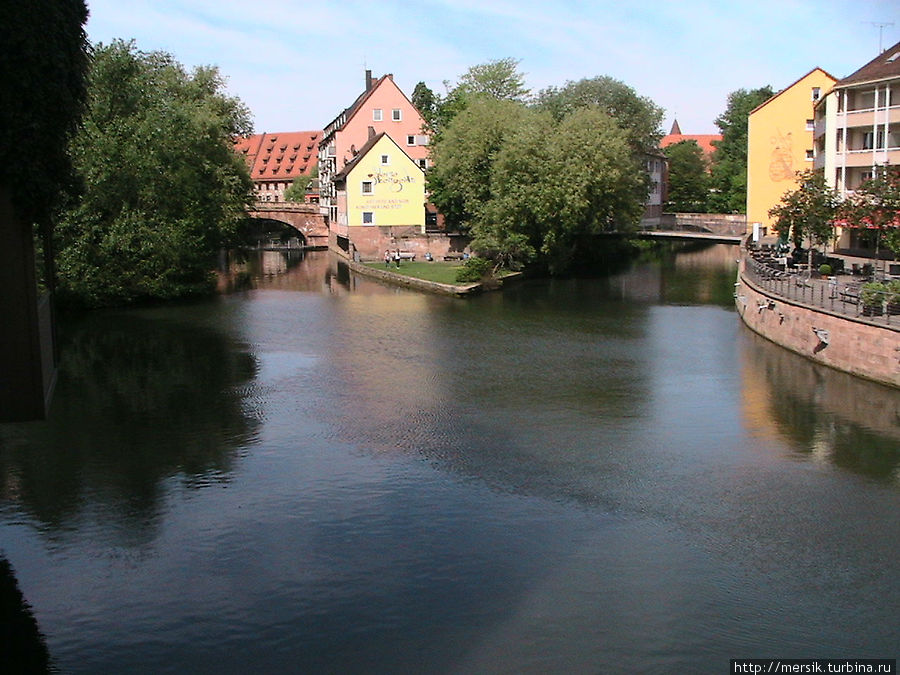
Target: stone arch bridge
{"points": [[303, 218]]}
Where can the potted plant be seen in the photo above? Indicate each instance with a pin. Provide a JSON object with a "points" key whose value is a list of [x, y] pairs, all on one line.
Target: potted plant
{"points": [[872, 295]]}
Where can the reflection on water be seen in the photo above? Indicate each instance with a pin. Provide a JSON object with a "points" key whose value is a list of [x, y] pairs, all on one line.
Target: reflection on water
{"points": [[140, 402], [321, 472], [820, 412]]}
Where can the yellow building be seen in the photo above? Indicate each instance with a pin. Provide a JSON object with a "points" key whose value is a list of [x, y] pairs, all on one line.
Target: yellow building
{"points": [[380, 196], [780, 144]]}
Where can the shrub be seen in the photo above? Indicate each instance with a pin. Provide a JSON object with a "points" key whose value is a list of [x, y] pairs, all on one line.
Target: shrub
{"points": [[474, 269], [825, 269], [873, 293]]}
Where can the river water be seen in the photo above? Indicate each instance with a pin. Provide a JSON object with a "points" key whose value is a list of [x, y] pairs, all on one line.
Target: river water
{"points": [[326, 474]]}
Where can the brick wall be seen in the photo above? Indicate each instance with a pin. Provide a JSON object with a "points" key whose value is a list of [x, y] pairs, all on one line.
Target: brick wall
{"points": [[854, 346]]}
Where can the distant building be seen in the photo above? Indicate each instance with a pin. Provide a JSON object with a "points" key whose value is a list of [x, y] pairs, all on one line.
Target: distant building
{"points": [[657, 170], [780, 143], [275, 161], [857, 129], [705, 141], [380, 196], [384, 108]]}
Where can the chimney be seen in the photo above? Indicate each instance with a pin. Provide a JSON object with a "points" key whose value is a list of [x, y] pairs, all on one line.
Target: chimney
{"points": [[371, 132], [368, 80]]}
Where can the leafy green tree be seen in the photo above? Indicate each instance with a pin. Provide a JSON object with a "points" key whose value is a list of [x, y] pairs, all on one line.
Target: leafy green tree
{"points": [[638, 115], [43, 66], [162, 189], [302, 184], [498, 79], [729, 171], [555, 187], [808, 212], [460, 181], [688, 185], [425, 102], [875, 205]]}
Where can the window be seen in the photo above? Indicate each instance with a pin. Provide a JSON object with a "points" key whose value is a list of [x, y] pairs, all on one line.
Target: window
{"points": [[377, 114], [396, 114], [810, 125], [809, 154], [423, 164], [410, 140], [367, 187], [368, 218], [385, 159], [868, 140], [816, 93]]}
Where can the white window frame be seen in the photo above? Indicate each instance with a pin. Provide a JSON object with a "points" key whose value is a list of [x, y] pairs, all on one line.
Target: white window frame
{"points": [[367, 183], [410, 139], [816, 93], [377, 114], [397, 115], [385, 160]]}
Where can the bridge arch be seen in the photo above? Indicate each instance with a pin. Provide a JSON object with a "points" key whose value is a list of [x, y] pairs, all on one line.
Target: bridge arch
{"points": [[304, 219]]}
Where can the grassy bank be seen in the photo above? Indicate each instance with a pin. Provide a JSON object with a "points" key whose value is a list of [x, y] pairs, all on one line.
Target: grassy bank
{"points": [[439, 272]]}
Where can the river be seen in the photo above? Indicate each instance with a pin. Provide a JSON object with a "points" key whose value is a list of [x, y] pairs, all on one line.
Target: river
{"points": [[326, 474]]}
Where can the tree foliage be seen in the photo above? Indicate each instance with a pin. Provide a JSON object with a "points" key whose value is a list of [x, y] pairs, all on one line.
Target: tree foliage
{"points": [[302, 184], [729, 171], [637, 115], [499, 79], [424, 100], [43, 65], [530, 187], [875, 205], [808, 212], [688, 178], [161, 189]]}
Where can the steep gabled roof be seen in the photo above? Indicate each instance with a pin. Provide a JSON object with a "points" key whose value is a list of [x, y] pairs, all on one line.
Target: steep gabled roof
{"points": [[885, 66], [791, 85], [281, 156], [369, 144]]}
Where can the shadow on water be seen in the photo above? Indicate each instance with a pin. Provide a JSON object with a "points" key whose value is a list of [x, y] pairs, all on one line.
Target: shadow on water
{"points": [[22, 646], [138, 402]]}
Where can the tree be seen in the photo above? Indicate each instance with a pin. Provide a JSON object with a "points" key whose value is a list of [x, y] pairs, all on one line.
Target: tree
{"points": [[875, 205], [498, 79], [425, 102], [688, 185], [808, 212], [302, 184], [638, 115], [729, 171], [554, 186], [161, 189], [460, 181]]}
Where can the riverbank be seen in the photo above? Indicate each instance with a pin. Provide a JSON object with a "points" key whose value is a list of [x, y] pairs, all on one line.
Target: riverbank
{"points": [[851, 344], [391, 276]]}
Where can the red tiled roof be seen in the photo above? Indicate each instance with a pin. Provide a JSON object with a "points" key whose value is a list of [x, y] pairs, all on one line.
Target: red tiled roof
{"points": [[268, 156], [705, 141]]}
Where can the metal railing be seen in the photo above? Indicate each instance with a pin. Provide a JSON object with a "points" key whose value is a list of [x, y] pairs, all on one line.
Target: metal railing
{"points": [[845, 298]]}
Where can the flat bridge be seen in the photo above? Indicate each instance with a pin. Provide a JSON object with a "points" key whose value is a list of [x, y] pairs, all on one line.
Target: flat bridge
{"points": [[716, 228], [687, 235], [304, 218]]}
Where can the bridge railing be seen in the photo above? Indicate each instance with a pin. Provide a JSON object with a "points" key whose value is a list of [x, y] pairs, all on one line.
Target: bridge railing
{"points": [[844, 297]]}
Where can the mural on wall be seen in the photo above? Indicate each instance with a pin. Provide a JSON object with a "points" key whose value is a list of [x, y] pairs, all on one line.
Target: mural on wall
{"points": [[781, 164], [392, 179]]}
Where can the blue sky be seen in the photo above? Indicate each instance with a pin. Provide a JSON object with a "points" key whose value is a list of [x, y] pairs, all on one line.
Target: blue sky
{"points": [[297, 64]]}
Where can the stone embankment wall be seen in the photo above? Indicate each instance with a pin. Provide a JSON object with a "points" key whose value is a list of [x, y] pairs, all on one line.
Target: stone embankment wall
{"points": [[852, 345]]}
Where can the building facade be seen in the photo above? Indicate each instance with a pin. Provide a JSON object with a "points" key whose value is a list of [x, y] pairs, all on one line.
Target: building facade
{"points": [[384, 108], [380, 197], [857, 129], [780, 144], [275, 161]]}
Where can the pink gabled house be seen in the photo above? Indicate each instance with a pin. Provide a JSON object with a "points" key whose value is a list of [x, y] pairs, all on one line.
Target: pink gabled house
{"points": [[382, 107]]}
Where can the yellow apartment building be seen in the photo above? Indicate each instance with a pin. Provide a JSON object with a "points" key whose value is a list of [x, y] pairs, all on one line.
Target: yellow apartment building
{"points": [[780, 144]]}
